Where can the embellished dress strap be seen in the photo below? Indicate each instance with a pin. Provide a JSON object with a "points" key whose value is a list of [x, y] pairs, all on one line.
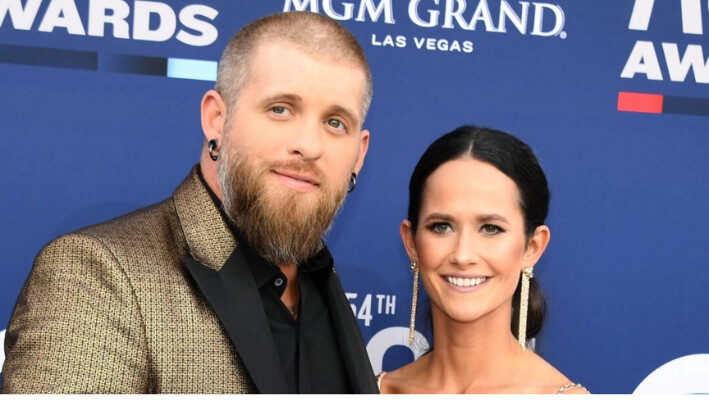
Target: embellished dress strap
{"points": [[570, 386], [379, 379]]}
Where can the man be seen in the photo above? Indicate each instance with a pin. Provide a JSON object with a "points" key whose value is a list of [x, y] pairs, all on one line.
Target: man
{"points": [[227, 285]]}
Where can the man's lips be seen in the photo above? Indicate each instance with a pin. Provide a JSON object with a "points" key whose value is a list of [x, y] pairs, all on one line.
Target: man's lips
{"points": [[297, 180]]}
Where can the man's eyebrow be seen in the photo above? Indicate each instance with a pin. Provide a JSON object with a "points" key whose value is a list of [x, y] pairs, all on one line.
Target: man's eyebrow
{"points": [[281, 96]]}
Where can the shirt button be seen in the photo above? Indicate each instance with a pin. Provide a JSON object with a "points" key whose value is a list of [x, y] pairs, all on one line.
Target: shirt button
{"points": [[278, 282]]}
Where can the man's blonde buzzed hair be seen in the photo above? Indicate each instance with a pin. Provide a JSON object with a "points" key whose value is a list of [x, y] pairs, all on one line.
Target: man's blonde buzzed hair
{"points": [[311, 32]]}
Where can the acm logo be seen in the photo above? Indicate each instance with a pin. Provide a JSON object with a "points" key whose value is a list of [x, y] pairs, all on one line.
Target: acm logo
{"points": [[644, 59]]}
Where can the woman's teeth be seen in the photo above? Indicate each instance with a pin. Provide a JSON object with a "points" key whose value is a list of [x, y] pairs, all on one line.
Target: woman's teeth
{"points": [[465, 282]]}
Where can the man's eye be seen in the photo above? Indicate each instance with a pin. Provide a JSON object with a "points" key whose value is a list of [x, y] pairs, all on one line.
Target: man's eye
{"points": [[335, 123], [279, 110]]}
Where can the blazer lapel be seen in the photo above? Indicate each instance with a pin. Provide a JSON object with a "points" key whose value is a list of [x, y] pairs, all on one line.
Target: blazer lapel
{"points": [[218, 267], [234, 296], [354, 352]]}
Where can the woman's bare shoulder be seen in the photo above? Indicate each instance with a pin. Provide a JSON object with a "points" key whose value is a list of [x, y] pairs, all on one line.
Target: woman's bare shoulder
{"points": [[546, 375], [404, 380]]}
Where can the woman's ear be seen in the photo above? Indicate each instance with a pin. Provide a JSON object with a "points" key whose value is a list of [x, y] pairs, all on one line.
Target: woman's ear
{"points": [[407, 236], [536, 246]]}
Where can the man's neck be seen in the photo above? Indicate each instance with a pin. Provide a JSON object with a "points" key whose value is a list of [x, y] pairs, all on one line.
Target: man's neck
{"points": [[210, 173]]}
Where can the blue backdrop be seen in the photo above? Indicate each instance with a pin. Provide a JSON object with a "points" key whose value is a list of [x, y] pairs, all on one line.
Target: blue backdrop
{"points": [[96, 120]]}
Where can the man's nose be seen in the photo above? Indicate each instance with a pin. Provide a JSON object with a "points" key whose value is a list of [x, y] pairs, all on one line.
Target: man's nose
{"points": [[307, 140]]}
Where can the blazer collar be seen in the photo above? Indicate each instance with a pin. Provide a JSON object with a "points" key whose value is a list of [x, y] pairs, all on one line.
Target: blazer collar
{"points": [[209, 239]]}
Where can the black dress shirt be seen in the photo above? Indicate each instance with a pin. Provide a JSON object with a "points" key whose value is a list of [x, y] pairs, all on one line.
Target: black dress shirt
{"points": [[307, 347]]}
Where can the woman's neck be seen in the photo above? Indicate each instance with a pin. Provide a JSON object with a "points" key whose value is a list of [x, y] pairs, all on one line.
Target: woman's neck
{"points": [[474, 356]]}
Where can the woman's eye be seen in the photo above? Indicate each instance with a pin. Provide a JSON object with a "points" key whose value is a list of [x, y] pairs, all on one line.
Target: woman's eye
{"points": [[490, 229], [440, 227]]}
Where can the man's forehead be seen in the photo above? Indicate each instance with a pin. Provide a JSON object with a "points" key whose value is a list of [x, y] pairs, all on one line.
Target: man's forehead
{"points": [[328, 54], [278, 70]]}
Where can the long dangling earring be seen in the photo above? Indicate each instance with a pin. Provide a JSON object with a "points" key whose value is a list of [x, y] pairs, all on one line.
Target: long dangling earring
{"points": [[414, 296], [527, 274]]}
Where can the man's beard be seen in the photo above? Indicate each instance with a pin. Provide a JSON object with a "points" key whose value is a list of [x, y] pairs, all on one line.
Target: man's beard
{"points": [[282, 227]]}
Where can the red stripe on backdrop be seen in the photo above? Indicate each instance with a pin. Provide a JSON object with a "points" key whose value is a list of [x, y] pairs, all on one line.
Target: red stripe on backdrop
{"points": [[640, 102]]}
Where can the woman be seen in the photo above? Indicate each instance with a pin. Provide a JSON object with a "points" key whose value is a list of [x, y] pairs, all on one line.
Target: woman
{"points": [[475, 230]]}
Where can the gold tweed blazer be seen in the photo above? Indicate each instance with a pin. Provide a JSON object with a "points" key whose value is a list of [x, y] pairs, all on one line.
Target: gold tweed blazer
{"points": [[114, 308]]}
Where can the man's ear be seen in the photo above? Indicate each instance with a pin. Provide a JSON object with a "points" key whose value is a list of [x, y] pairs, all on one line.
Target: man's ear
{"points": [[363, 146], [407, 236], [213, 114], [536, 246]]}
